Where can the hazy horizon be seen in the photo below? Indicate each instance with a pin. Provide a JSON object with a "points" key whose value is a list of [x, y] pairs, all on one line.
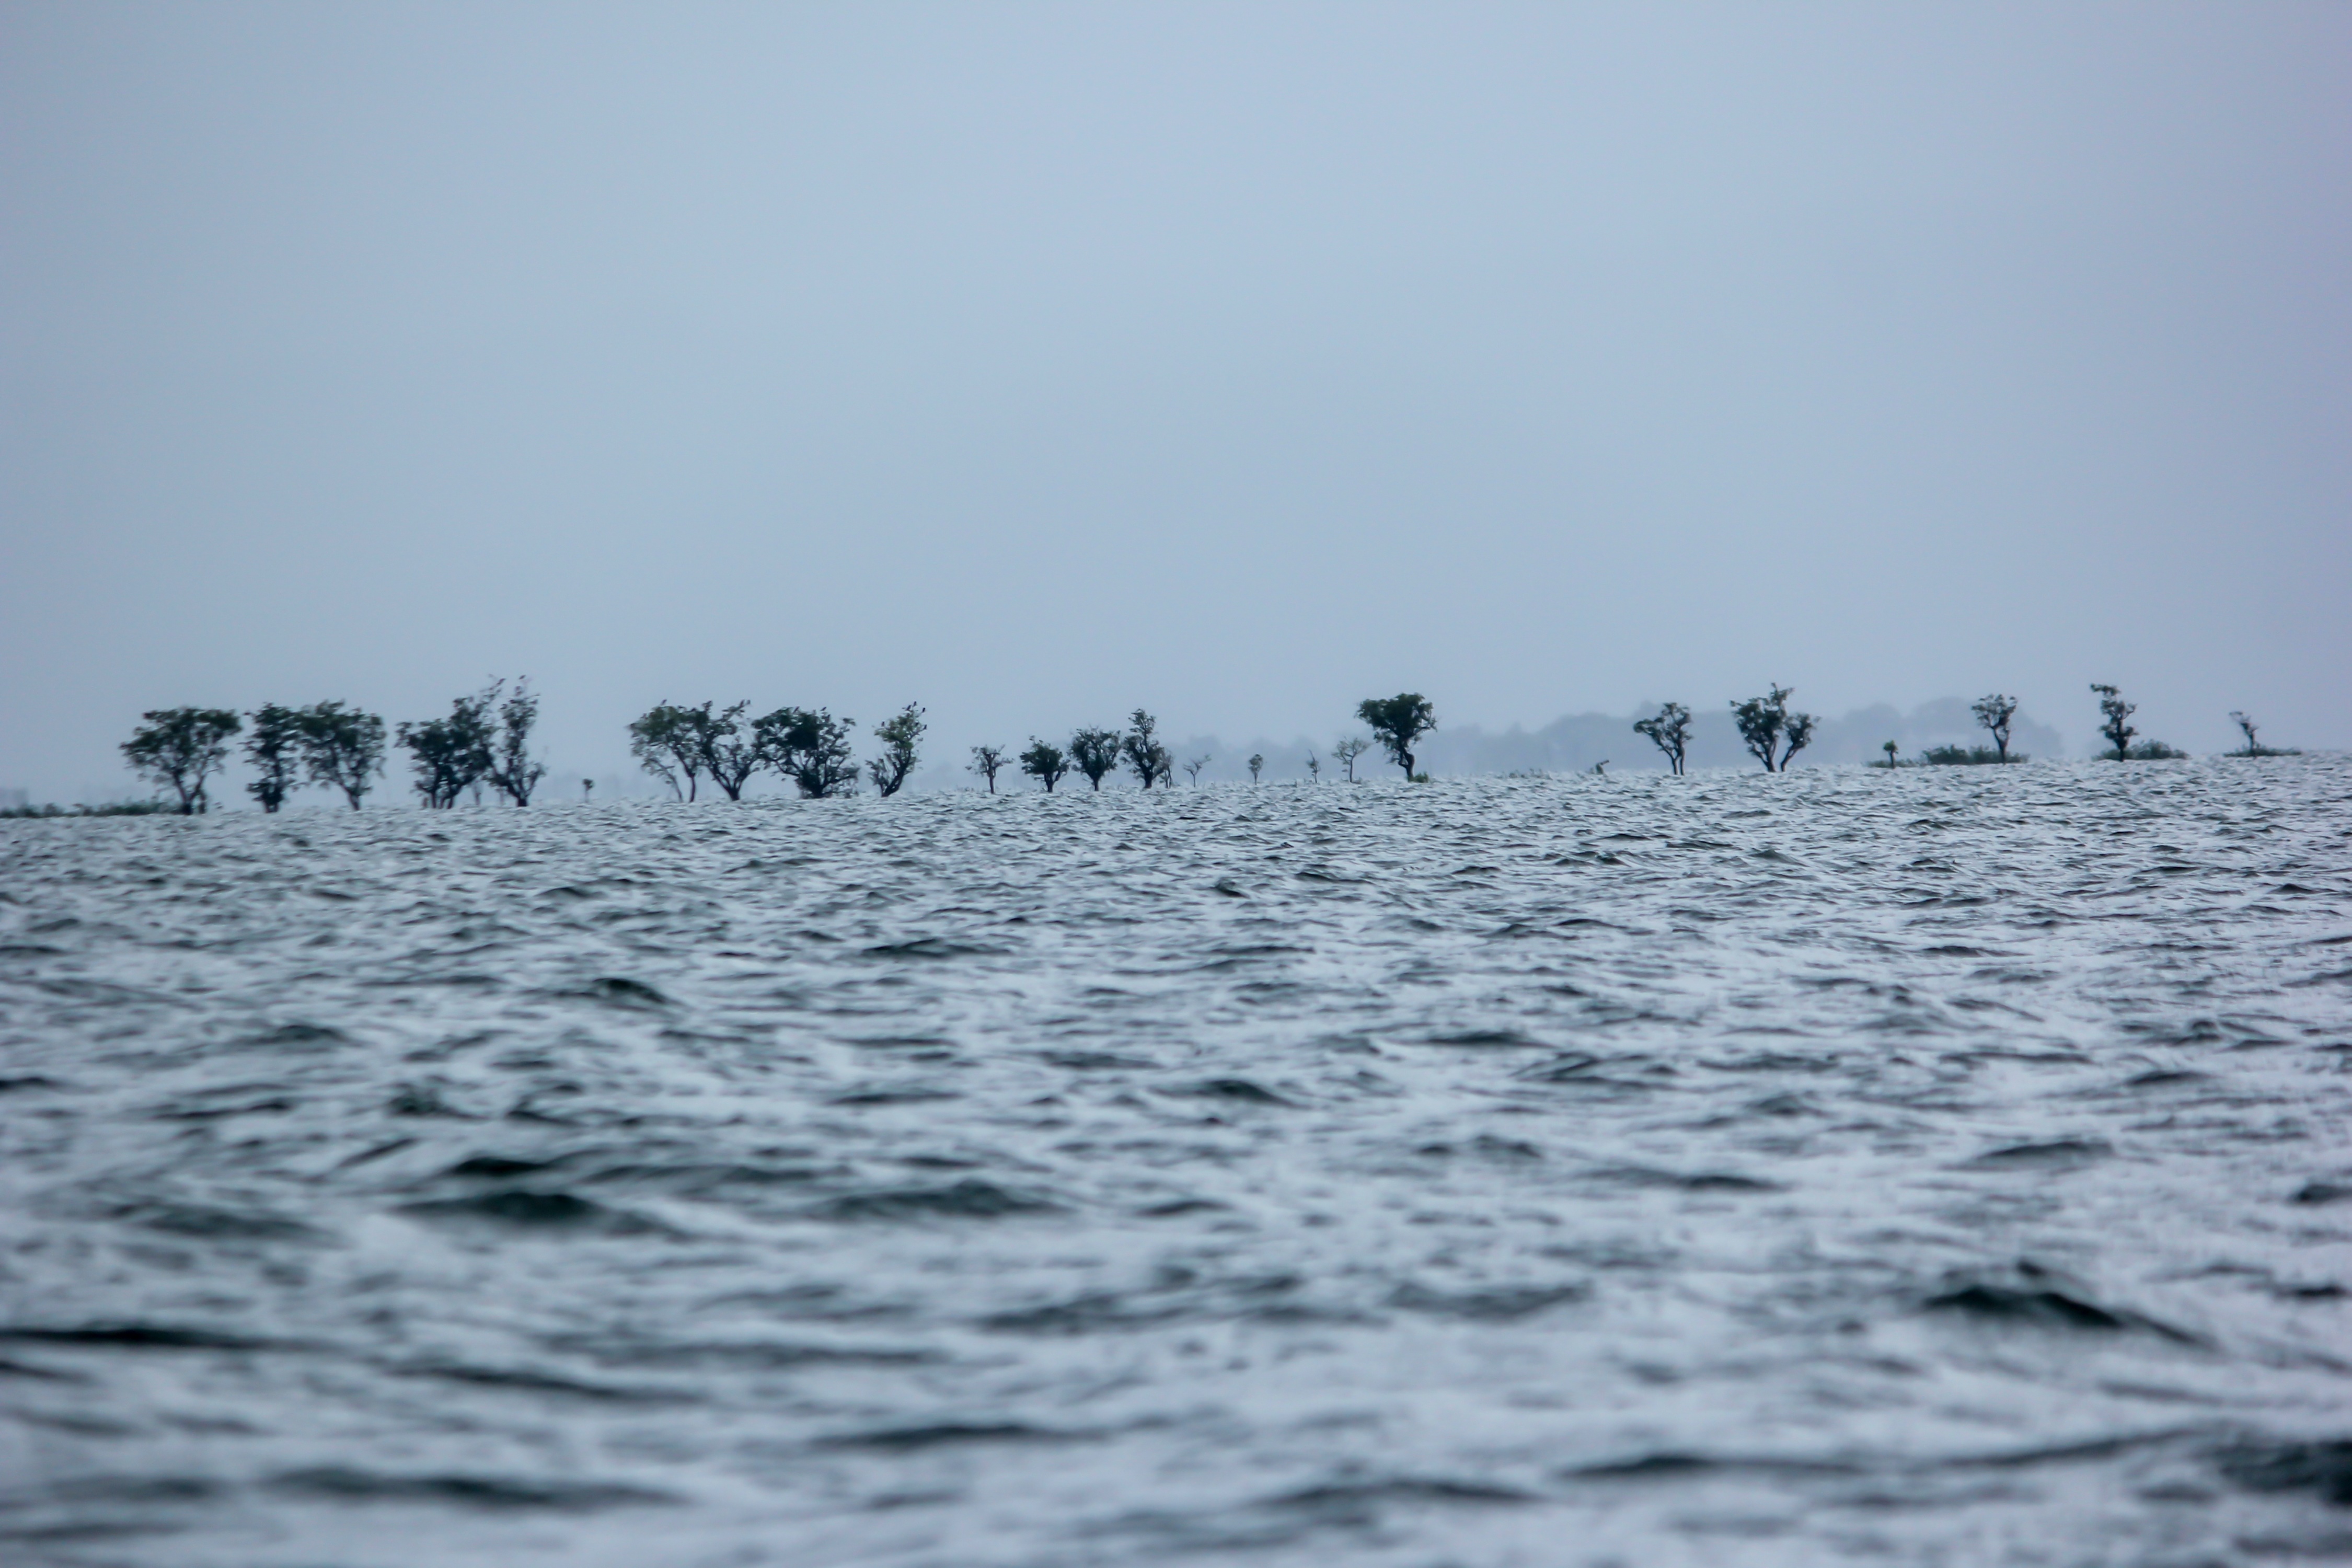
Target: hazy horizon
{"points": [[1236, 361]]}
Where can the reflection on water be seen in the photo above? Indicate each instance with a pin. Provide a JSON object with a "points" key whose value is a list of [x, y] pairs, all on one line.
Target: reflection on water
{"points": [[1941, 1166]]}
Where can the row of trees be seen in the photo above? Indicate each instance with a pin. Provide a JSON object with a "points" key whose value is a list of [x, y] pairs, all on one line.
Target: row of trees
{"points": [[1771, 733], [486, 738], [180, 749], [684, 746]]}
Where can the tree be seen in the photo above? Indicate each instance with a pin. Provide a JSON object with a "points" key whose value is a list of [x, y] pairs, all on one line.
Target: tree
{"points": [[449, 756], [1892, 752], [1256, 765], [587, 790], [1350, 748], [274, 747], [1994, 713], [179, 748], [670, 742], [899, 734], [1146, 759], [341, 748], [2114, 720], [985, 761], [1045, 764], [2245, 721], [1095, 752], [1192, 770], [1397, 723], [809, 749], [1767, 726], [1669, 730], [1314, 765], [731, 753], [511, 770]]}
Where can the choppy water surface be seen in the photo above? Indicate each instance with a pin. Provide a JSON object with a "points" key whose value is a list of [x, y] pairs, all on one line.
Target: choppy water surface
{"points": [[1942, 1166]]}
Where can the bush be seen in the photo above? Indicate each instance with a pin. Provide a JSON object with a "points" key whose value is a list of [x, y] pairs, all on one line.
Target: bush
{"points": [[1966, 756], [120, 808], [2147, 752]]}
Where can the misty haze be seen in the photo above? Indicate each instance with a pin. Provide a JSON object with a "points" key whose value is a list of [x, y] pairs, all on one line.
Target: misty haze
{"points": [[1265, 785]]}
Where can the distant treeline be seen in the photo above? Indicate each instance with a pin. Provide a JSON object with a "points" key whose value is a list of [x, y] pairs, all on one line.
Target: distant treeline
{"points": [[485, 742]]}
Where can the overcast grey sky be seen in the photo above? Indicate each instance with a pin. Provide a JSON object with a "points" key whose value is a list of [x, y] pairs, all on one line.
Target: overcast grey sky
{"points": [[1036, 362]]}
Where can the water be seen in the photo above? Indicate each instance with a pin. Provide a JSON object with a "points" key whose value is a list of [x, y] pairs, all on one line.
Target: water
{"points": [[1943, 1166]]}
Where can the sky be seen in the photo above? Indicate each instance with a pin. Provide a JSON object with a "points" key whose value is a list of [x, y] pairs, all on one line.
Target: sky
{"points": [[1036, 363]]}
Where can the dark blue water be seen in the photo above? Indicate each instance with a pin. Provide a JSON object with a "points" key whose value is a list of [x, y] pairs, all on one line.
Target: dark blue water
{"points": [[1943, 1166]]}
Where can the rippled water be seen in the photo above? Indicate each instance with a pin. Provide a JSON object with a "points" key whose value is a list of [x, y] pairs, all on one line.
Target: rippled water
{"points": [[1939, 1167]]}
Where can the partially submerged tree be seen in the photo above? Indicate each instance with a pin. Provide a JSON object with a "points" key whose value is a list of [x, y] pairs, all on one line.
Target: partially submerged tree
{"points": [[2114, 721], [899, 734], [342, 748], [672, 743], [1146, 759], [2255, 748], [1668, 729], [274, 747], [1350, 748], [511, 770], [1893, 753], [180, 748], [985, 762], [1256, 765], [811, 749], [1397, 723], [731, 752], [1314, 767], [1994, 713], [1192, 770], [449, 756], [1094, 752], [1771, 732], [1045, 763]]}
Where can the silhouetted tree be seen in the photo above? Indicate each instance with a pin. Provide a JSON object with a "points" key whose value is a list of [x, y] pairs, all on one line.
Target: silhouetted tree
{"points": [[809, 749], [670, 741], [2245, 722], [1146, 759], [900, 735], [1397, 723], [1095, 752], [2114, 715], [449, 756], [1314, 765], [1769, 728], [274, 747], [1192, 770], [1892, 752], [1045, 763], [587, 790], [342, 748], [731, 753], [985, 761], [1350, 748], [511, 770], [1256, 765], [1994, 713], [1668, 729], [179, 748]]}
